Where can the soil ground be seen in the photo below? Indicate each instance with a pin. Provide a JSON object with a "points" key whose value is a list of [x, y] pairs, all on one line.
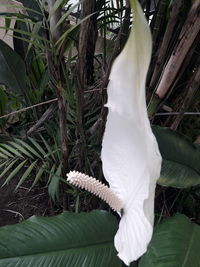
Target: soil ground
{"points": [[16, 206]]}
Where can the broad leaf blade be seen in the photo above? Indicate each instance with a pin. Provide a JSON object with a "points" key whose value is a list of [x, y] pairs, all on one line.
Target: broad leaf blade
{"points": [[181, 159], [12, 69], [177, 147], [175, 243], [84, 239], [177, 175], [33, 9]]}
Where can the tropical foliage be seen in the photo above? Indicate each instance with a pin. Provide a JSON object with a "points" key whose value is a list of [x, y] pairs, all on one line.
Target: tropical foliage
{"points": [[67, 240], [53, 80]]}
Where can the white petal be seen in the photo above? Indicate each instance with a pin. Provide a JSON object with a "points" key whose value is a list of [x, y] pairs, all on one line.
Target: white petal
{"points": [[130, 155]]}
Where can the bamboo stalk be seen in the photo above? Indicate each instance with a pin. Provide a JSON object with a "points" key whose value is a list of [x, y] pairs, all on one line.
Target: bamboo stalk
{"points": [[167, 37], [184, 43]]}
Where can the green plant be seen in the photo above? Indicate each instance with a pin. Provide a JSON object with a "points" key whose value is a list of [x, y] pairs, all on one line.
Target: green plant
{"points": [[30, 158], [65, 240], [58, 60], [180, 166], [175, 243]]}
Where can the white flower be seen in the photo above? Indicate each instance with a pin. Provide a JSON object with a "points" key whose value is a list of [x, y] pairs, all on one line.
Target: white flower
{"points": [[130, 155]]}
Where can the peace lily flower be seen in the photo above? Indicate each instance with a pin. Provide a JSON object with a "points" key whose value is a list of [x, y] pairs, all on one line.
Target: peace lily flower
{"points": [[130, 155]]}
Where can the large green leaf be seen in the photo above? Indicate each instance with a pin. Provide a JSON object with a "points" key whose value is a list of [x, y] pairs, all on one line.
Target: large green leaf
{"points": [[67, 240], [12, 69], [181, 159], [178, 175], [33, 9], [175, 243], [20, 46]]}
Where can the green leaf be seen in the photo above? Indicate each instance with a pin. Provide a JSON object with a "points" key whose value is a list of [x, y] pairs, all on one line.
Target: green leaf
{"points": [[12, 69], [56, 5], [39, 148], [5, 152], [38, 68], [20, 46], [28, 34], [21, 148], [53, 188], [175, 243], [177, 147], [177, 175], [181, 159], [8, 167], [34, 35], [66, 240], [3, 163], [3, 156], [39, 174], [26, 174], [36, 44], [12, 150], [33, 9], [3, 101], [64, 16], [28, 147], [50, 152], [14, 172], [51, 173], [65, 34]]}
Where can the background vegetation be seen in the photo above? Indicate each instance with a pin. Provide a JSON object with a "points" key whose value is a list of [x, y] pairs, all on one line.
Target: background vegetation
{"points": [[52, 94]]}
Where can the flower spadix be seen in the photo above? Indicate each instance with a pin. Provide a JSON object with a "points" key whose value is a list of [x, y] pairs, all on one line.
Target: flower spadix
{"points": [[96, 187], [130, 155]]}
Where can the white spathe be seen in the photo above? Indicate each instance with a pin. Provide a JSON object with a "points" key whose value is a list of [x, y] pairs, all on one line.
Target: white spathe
{"points": [[130, 155]]}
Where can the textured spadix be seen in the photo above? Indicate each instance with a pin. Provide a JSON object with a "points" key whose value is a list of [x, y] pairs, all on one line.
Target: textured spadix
{"points": [[130, 155], [96, 187]]}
